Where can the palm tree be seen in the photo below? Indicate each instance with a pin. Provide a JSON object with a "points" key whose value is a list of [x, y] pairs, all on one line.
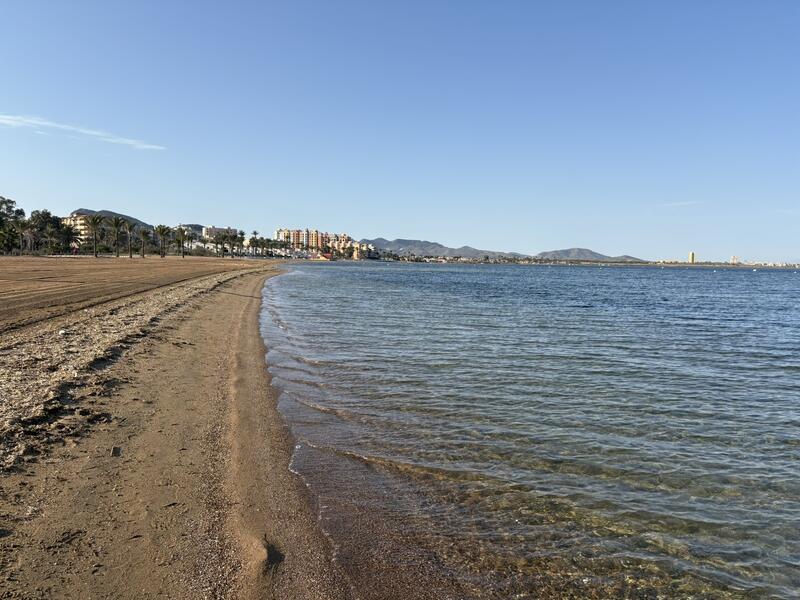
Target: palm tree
{"points": [[254, 236], [130, 229], [240, 240], [30, 236], [94, 223], [162, 231], [192, 237], [116, 223], [144, 235], [180, 237], [20, 226], [50, 236], [69, 236]]}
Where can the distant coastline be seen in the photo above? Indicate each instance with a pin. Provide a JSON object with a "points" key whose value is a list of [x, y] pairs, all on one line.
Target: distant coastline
{"points": [[98, 232], [597, 263]]}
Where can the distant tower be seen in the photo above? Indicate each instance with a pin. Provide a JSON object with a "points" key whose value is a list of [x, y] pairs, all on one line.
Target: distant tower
{"points": [[692, 258], [734, 260]]}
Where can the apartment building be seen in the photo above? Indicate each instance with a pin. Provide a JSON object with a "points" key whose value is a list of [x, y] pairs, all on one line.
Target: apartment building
{"points": [[313, 239], [210, 232], [80, 221]]}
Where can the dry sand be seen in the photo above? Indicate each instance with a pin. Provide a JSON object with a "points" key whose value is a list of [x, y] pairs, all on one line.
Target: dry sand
{"points": [[34, 289], [143, 453]]}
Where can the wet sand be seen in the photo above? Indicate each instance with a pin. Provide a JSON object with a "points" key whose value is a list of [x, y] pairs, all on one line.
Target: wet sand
{"points": [[149, 459]]}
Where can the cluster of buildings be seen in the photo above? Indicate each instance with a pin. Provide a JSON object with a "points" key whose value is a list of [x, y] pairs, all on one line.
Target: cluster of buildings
{"points": [[735, 261], [79, 219], [324, 243], [298, 243]]}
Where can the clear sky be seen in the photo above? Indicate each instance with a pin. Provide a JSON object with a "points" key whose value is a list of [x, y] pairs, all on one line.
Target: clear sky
{"points": [[645, 128]]}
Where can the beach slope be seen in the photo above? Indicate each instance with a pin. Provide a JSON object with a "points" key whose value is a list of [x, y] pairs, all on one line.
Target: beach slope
{"points": [[152, 461]]}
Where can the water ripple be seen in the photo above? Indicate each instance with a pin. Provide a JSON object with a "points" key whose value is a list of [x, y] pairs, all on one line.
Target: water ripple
{"points": [[616, 428]]}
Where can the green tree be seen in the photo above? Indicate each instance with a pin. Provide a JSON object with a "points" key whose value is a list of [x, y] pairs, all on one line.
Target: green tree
{"points": [[10, 218], [38, 224]]}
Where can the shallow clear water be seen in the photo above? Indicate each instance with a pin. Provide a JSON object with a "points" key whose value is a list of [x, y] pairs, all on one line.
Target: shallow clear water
{"points": [[589, 428]]}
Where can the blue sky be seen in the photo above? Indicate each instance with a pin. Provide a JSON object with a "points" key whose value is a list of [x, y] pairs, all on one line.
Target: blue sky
{"points": [[646, 128]]}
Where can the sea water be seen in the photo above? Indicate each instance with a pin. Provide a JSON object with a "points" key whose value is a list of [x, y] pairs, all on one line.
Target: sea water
{"points": [[540, 429]]}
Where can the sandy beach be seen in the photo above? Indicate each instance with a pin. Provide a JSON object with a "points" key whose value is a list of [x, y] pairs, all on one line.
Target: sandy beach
{"points": [[143, 454]]}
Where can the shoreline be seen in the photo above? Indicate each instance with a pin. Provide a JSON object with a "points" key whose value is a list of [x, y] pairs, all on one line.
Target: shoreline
{"points": [[285, 552], [164, 469]]}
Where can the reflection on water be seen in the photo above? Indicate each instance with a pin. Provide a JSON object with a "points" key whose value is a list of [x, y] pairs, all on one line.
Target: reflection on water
{"points": [[606, 430]]}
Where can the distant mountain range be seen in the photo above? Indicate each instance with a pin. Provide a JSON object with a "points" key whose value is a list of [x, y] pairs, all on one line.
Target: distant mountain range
{"points": [[423, 248], [403, 247]]}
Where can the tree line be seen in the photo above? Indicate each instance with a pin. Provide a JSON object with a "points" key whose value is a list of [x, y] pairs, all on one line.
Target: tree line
{"points": [[45, 233], [38, 233]]}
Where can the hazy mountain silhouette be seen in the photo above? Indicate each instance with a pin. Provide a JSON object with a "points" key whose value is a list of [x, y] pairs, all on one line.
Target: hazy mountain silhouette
{"points": [[584, 254], [403, 247]]}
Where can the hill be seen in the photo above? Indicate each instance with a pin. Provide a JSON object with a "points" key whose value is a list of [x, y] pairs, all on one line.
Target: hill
{"points": [[403, 247], [584, 254], [110, 214]]}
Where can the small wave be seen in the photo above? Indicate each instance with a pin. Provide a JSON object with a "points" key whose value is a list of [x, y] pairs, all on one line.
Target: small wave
{"points": [[404, 467]]}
